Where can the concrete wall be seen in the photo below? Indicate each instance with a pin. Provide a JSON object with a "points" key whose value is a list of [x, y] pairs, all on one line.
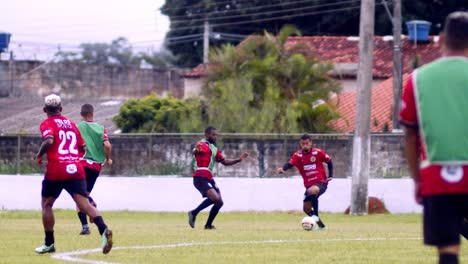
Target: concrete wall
{"points": [[171, 194], [192, 87], [72, 80], [171, 154]]}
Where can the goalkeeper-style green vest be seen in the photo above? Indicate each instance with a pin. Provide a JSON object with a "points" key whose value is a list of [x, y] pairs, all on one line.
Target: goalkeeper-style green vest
{"points": [[441, 91], [93, 135]]}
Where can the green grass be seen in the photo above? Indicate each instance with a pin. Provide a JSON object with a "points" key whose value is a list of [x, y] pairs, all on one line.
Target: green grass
{"points": [[21, 232]]}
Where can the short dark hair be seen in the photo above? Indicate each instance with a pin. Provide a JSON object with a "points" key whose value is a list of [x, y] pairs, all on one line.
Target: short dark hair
{"points": [[209, 129], [456, 31], [53, 109], [86, 109], [305, 137]]}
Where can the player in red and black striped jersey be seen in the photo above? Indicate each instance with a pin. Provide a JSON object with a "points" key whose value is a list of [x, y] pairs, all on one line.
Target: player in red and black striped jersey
{"points": [[205, 154], [309, 161]]}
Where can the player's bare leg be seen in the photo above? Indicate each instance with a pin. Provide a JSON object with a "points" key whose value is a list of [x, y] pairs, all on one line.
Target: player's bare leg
{"points": [[48, 221], [85, 206], [217, 200]]}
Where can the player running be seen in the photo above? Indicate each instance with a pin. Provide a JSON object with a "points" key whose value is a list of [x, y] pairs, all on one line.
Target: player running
{"points": [[64, 146], [98, 152], [309, 161], [205, 154]]}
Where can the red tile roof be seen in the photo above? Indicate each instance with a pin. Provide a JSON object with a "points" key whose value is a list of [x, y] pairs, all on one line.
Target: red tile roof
{"points": [[343, 49], [195, 72], [381, 108]]}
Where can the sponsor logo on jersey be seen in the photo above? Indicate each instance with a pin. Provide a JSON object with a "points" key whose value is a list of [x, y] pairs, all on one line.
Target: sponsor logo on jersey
{"points": [[46, 132], [71, 168], [311, 172], [310, 167], [312, 179], [452, 174], [314, 152]]}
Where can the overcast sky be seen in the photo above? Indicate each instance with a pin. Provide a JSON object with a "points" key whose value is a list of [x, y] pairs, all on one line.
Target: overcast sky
{"points": [[39, 26]]}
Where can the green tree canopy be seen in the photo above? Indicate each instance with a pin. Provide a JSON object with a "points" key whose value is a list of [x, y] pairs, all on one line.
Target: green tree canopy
{"points": [[313, 17], [264, 86]]}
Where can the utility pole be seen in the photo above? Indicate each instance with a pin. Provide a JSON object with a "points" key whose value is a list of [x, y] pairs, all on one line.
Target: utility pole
{"points": [[12, 72], [361, 141], [397, 62], [206, 40]]}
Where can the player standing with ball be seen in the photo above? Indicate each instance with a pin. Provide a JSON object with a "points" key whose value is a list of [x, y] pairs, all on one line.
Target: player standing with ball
{"points": [[309, 161]]}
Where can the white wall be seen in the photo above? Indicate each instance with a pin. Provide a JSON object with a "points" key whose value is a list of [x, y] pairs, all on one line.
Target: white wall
{"points": [[173, 194], [192, 87]]}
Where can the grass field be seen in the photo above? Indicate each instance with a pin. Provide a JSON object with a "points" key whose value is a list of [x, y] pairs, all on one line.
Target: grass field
{"points": [[240, 238]]}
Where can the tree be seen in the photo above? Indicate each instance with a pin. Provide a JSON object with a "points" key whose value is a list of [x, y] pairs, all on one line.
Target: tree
{"points": [[118, 52], [159, 115], [264, 86], [313, 17]]}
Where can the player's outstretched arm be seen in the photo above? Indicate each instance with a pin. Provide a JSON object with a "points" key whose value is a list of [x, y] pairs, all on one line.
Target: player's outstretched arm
{"points": [[285, 167], [227, 162]]}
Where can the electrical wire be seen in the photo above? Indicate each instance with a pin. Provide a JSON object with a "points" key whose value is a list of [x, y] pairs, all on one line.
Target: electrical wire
{"points": [[209, 14], [271, 18]]}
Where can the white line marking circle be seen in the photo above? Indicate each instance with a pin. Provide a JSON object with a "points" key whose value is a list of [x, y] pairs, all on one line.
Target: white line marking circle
{"points": [[71, 255]]}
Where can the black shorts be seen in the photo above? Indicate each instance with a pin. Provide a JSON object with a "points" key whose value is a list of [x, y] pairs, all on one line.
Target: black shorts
{"points": [[54, 188], [203, 185], [322, 187], [91, 177], [443, 218]]}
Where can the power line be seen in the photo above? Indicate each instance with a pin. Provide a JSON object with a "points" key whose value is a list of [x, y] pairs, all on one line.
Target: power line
{"points": [[271, 18], [208, 14], [214, 4], [248, 15]]}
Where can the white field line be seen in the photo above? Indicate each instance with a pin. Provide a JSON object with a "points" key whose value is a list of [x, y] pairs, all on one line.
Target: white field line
{"points": [[71, 255]]}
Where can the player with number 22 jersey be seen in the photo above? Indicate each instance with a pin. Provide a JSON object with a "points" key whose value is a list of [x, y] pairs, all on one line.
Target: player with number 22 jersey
{"points": [[67, 149]]}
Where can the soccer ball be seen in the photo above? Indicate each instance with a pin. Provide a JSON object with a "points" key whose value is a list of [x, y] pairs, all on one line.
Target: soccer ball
{"points": [[308, 223]]}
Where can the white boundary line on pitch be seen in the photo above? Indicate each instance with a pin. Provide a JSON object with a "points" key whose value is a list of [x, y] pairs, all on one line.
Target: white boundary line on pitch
{"points": [[70, 256]]}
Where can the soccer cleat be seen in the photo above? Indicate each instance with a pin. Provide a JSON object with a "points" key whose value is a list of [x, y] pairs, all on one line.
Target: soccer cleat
{"points": [[85, 231], [324, 228], [318, 221], [106, 241], [45, 249], [210, 227], [191, 219]]}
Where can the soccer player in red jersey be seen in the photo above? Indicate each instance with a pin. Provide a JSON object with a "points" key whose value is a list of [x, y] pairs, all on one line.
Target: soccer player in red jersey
{"points": [[64, 146], [309, 161], [205, 154], [434, 112]]}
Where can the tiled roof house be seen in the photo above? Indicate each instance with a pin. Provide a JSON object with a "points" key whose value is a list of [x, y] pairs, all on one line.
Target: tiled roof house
{"points": [[343, 53]]}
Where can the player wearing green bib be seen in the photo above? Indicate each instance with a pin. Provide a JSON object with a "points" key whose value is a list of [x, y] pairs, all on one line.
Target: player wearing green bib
{"points": [[205, 154], [434, 112], [98, 152]]}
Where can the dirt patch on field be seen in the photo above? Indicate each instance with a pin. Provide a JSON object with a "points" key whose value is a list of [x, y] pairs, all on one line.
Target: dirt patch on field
{"points": [[375, 206]]}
